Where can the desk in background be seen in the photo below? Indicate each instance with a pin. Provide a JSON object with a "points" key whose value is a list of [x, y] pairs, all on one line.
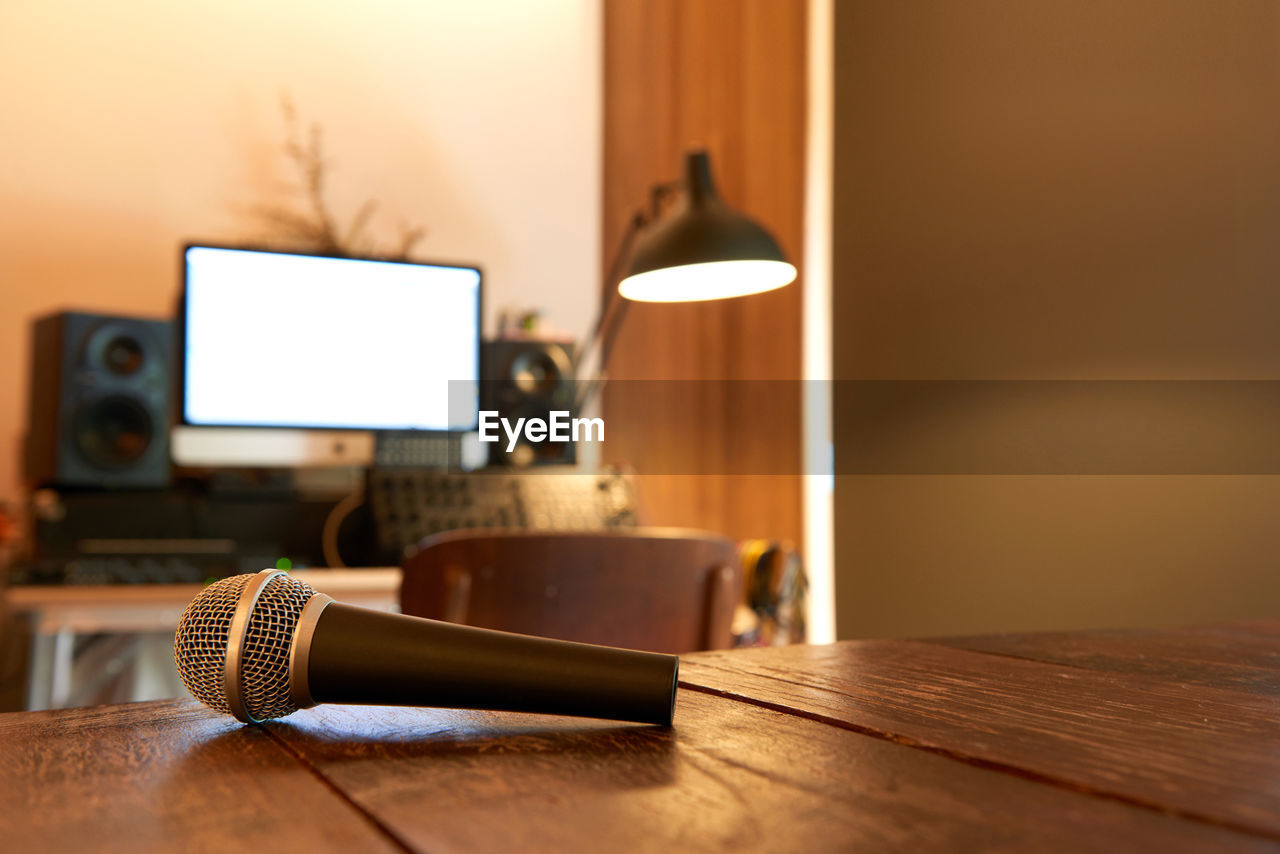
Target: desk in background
{"points": [[1136, 741], [58, 614]]}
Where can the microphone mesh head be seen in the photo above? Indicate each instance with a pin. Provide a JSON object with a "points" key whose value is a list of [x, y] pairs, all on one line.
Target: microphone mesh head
{"points": [[200, 646]]}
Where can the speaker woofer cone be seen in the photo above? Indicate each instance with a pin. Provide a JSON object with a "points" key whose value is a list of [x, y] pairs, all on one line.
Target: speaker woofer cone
{"points": [[114, 432]]}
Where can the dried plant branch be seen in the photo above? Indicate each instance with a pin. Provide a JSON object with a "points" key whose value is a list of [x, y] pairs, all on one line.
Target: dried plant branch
{"points": [[318, 228], [295, 224], [409, 235], [358, 223]]}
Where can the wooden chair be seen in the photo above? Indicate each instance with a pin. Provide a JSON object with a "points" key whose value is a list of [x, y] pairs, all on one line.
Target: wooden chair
{"points": [[658, 589]]}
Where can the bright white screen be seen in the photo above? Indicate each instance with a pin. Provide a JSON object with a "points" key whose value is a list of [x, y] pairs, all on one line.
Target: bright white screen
{"points": [[275, 340]]}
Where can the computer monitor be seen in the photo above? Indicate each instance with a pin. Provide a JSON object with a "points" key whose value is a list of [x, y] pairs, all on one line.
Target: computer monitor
{"points": [[288, 340]]}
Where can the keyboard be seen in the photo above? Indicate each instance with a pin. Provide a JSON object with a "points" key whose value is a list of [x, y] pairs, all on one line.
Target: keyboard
{"points": [[407, 505]]}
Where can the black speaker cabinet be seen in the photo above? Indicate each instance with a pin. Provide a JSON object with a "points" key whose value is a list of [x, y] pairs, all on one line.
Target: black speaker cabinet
{"points": [[99, 413], [528, 379]]}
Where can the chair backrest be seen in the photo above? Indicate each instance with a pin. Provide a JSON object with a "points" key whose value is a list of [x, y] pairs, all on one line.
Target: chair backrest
{"points": [[658, 589]]}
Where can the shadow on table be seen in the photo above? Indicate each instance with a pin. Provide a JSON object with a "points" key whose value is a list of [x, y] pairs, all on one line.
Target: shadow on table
{"points": [[614, 754]]}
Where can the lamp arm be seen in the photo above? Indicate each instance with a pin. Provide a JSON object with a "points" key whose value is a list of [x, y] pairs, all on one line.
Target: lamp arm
{"points": [[609, 322], [658, 194], [614, 312], [605, 330]]}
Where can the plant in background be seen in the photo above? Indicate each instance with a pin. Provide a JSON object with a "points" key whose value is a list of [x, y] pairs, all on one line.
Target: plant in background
{"points": [[315, 228]]}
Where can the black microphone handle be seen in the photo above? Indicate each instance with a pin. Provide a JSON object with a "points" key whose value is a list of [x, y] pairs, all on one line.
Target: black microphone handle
{"points": [[367, 657]]}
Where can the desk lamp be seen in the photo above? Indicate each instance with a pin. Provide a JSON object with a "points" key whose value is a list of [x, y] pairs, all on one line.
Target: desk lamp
{"points": [[700, 249]]}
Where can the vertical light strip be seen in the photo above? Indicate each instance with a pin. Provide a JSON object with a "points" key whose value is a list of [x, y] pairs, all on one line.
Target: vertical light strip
{"points": [[819, 479]]}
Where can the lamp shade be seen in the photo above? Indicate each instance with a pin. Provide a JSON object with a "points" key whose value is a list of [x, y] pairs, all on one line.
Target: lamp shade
{"points": [[703, 249]]}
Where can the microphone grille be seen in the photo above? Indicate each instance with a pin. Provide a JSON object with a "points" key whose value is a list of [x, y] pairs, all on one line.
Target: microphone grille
{"points": [[200, 646]]}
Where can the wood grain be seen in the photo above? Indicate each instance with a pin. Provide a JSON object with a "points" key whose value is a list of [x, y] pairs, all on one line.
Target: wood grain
{"points": [[1261, 626], [880, 745], [1202, 752], [166, 776], [731, 77], [729, 776], [1232, 657]]}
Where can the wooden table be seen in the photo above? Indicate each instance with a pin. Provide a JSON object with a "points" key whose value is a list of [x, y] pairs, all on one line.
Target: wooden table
{"points": [[1131, 741]]}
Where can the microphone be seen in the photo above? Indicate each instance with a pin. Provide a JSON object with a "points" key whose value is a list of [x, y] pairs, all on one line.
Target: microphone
{"points": [[261, 646]]}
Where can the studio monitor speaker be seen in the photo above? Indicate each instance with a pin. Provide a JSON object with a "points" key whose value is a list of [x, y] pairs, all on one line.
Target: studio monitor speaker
{"points": [[528, 379], [99, 404]]}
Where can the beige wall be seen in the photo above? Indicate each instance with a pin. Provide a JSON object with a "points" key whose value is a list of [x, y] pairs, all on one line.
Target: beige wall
{"points": [[1055, 190], [127, 128]]}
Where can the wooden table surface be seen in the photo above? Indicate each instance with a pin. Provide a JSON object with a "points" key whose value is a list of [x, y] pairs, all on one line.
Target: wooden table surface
{"points": [[1127, 740]]}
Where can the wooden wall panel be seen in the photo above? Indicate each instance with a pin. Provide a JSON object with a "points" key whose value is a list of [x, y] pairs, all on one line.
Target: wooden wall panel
{"points": [[728, 75], [1056, 191]]}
